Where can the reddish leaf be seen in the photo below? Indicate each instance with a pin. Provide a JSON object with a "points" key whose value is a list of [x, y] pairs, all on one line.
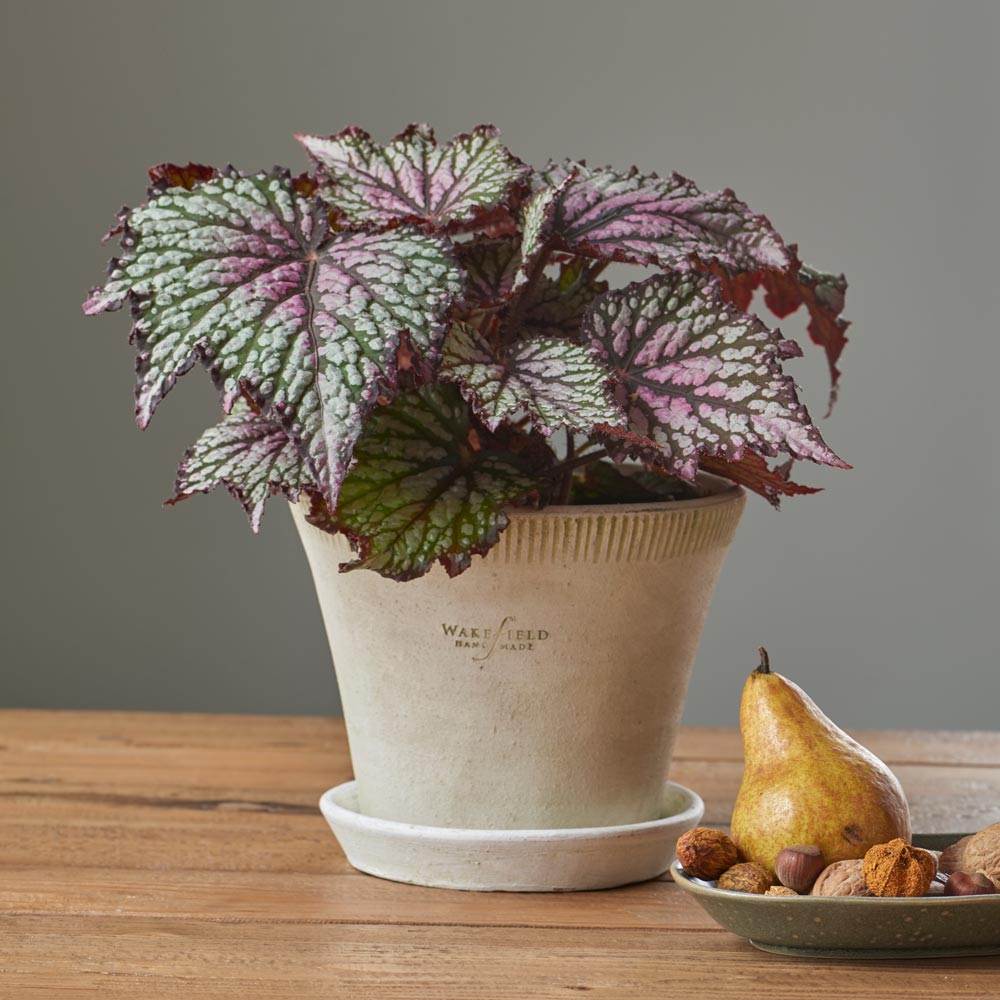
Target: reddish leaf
{"points": [[171, 175], [787, 290], [755, 474]]}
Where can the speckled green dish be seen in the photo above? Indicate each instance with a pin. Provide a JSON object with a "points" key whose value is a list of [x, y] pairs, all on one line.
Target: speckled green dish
{"points": [[854, 927]]}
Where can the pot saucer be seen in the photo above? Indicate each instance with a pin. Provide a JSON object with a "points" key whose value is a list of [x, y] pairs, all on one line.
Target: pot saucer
{"points": [[511, 860]]}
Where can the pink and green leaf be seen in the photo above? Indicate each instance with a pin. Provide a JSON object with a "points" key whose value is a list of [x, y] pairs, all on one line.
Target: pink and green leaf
{"points": [[647, 219], [412, 178], [425, 489], [698, 377], [539, 225], [251, 456], [553, 382], [243, 274]]}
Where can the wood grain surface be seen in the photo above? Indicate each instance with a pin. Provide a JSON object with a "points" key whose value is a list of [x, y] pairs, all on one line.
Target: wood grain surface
{"points": [[152, 856]]}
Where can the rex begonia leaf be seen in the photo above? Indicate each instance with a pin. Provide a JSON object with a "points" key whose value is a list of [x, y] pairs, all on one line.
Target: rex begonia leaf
{"points": [[244, 274], [538, 223], [424, 488], [554, 382], [755, 474], [250, 456], [786, 290], [648, 219], [555, 306], [412, 178], [698, 376]]}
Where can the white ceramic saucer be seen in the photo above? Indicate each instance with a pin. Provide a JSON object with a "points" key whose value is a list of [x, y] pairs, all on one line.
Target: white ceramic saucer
{"points": [[511, 860]]}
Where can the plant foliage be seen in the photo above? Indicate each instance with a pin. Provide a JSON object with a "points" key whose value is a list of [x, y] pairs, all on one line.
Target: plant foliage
{"points": [[417, 335]]}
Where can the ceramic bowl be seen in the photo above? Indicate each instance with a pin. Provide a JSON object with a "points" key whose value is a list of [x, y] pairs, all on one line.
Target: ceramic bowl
{"points": [[856, 927]]}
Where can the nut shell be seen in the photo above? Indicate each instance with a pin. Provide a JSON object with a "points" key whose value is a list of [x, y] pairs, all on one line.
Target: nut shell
{"points": [[963, 884], [798, 866], [706, 853], [842, 878], [746, 877], [780, 890], [898, 869], [977, 852]]}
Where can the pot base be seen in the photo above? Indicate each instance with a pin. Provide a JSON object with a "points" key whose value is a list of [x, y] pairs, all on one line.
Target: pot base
{"points": [[511, 860]]}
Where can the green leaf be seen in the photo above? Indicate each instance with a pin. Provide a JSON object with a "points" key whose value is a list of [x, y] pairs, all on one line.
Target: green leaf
{"points": [[553, 382], [250, 456], [412, 178], [425, 488], [244, 274]]}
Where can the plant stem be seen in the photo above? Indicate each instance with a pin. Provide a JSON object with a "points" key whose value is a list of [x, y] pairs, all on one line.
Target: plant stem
{"points": [[582, 459], [516, 313], [594, 270], [765, 662], [567, 478]]}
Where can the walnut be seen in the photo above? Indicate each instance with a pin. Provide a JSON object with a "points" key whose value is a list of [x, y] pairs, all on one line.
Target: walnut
{"points": [[994, 877], [842, 878], [951, 857], [747, 877], [706, 853], [977, 852], [780, 890], [897, 869]]}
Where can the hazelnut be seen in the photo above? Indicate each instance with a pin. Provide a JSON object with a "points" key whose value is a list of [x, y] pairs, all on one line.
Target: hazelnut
{"points": [[964, 884], [747, 877], [706, 853], [797, 867], [897, 869], [780, 890], [842, 878]]}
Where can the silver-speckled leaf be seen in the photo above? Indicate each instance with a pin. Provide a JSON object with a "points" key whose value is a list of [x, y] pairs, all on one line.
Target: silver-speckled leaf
{"points": [[698, 376], [250, 456], [649, 219], [243, 274], [423, 490], [553, 382], [539, 222], [412, 178]]}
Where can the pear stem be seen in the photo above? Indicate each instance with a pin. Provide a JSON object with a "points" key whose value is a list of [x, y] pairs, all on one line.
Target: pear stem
{"points": [[765, 662]]}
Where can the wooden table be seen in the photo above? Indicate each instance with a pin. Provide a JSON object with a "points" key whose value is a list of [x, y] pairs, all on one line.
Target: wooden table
{"points": [[146, 855]]}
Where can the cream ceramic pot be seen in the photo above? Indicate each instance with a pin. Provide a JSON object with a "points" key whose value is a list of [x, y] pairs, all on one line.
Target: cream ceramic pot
{"points": [[540, 689]]}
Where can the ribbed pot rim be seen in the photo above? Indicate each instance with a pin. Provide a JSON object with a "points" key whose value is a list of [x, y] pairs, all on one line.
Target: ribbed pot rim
{"points": [[723, 492]]}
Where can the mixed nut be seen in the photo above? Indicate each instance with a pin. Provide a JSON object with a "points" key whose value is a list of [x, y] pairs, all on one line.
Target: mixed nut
{"points": [[970, 867]]}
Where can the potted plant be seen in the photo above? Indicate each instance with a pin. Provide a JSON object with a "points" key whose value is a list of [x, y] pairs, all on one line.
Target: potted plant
{"points": [[415, 344]]}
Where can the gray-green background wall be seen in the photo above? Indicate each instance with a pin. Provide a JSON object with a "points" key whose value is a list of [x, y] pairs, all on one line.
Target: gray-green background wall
{"points": [[866, 131]]}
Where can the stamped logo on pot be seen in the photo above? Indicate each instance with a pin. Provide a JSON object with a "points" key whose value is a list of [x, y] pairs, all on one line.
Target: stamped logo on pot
{"points": [[487, 641]]}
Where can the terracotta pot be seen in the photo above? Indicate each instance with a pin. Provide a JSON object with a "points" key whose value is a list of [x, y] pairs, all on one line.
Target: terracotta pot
{"points": [[543, 687]]}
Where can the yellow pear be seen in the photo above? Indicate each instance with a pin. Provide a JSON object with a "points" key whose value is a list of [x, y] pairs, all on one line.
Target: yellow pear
{"points": [[807, 782]]}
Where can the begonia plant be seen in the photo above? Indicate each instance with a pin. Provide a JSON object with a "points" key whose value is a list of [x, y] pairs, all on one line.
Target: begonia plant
{"points": [[413, 337]]}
